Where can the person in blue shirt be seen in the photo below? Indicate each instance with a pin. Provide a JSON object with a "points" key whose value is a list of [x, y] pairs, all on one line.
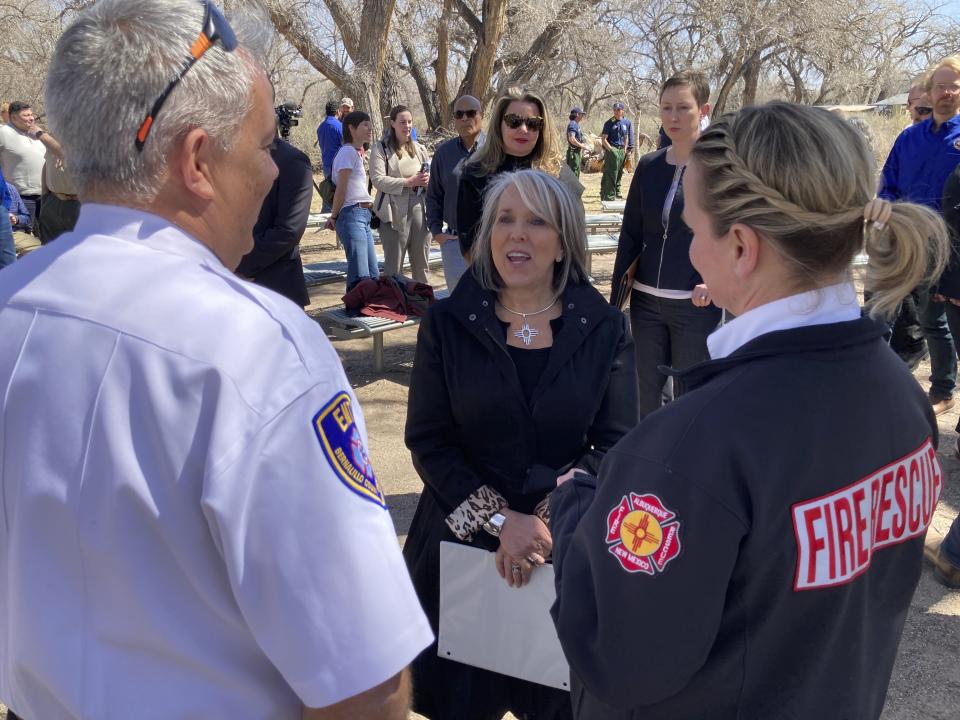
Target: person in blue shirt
{"points": [[8, 252], [617, 140], [575, 143], [330, 139], [919, 164], [18, 211]]}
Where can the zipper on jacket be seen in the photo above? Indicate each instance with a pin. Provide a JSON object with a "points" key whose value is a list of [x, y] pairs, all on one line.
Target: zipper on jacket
{"points": [[678, 178]]}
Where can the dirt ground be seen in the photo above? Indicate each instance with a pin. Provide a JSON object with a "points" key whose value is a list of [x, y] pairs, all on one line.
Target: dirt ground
{"points": [[926, 679]]}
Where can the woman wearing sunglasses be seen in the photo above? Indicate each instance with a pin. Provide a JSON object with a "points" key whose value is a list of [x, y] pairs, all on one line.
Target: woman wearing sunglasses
{"points": [[520, 136]]}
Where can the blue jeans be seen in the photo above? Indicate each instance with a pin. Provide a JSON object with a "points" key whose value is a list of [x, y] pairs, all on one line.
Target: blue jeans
{"points": [[943, 354], [353, 229], [8, 252], [667, 332]]}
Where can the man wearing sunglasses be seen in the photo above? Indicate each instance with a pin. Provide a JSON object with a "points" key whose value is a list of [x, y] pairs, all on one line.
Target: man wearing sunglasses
{"points": [[442, 188], [190, 520], [918, 103], [920, 161]]}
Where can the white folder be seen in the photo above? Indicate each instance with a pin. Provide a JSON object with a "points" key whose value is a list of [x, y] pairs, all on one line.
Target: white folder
{"points": [[488, 624]]}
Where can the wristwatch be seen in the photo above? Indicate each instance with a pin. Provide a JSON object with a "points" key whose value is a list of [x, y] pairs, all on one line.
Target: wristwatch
{"points": [[494, 525], [39, 133]]}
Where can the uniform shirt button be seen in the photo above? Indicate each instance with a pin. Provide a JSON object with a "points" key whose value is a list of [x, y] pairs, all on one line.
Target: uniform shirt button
{"points": [[583, 320], [570, 306], [485, 303], [473, 316]]}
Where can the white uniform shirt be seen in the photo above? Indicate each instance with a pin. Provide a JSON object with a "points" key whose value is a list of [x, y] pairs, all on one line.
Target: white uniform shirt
{"points": [[21, 158], [189, 527]]}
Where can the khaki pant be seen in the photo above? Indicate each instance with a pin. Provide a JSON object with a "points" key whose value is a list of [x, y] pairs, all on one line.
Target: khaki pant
{"points": [[414, 241], [25, 242]]}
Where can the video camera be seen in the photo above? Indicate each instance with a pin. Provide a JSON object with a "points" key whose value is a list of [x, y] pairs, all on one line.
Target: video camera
{"points": [[287, 115]]}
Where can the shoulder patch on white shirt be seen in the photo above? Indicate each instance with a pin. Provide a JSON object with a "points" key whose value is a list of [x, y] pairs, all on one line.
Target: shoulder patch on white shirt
{"points": [[343, 447]]}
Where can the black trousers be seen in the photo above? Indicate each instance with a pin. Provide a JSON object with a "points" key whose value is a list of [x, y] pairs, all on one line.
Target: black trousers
{"points": [[33, 203]]}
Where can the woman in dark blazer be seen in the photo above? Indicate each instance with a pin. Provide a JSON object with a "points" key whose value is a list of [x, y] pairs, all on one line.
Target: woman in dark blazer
{"points": [[523, 374], [671, 313]]}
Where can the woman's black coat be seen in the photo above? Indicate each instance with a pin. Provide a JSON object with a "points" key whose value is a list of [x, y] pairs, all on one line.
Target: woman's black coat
{"points": [[470, 189], [468, 422]]}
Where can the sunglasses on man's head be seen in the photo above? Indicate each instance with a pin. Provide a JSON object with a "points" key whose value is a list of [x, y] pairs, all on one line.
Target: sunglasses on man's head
{"points": [[534, 124], [215, 27], [921, 110], [459, 114]]}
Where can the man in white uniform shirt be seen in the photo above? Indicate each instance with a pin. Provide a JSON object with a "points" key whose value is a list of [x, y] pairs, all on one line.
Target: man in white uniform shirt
{"points": [[189, 523]]}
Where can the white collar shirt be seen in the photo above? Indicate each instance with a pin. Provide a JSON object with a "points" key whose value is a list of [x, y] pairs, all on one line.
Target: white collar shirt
{"points": [[832, 304], [188, 516]]}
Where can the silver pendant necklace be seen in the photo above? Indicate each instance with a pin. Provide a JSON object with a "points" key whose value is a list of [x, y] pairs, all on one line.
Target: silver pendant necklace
{"points": [[527, 333]]}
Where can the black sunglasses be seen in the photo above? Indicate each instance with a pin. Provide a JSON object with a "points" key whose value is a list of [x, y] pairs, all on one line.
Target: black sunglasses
{"points": [[215, 27], [534, 124], [923, 110], [464, 113]]}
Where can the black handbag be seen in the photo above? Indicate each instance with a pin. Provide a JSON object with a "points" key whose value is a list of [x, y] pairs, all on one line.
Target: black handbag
{"points": [[374, 218]]}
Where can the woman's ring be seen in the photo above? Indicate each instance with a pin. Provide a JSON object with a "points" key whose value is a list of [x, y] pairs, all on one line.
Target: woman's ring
{"points": [[516, 569]]}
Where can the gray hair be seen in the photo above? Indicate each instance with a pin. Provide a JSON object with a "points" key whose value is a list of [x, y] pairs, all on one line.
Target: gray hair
{"points": [[110, 66], [549, 199]]}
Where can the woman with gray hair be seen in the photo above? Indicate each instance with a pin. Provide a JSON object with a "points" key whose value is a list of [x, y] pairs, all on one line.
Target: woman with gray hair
{"points": [[758, 541], [522, 376]]}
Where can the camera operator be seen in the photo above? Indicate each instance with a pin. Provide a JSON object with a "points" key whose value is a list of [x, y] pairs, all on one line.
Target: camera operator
{"points": [[274, 261]]}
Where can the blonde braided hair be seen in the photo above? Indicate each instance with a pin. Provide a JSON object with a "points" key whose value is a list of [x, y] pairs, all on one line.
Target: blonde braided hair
{"points": [[801, 177]]}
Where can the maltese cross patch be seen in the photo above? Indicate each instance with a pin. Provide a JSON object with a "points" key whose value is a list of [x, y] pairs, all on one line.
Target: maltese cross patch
{"points": [[642, 534]]}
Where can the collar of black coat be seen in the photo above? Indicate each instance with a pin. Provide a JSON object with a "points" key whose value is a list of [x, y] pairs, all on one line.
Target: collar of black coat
{"points": [[583, 306], [475, 309], [814, 338]]}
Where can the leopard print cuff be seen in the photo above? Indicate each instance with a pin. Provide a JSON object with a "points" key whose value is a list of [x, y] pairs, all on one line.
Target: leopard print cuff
{"points": [[470, 515], [542, 510]]}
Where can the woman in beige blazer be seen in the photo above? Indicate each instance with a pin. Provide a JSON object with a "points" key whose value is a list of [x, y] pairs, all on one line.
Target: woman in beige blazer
{"points": [[399, 170]]}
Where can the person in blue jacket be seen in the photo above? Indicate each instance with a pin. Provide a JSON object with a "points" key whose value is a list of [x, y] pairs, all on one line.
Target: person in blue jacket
{"points": [[751, 549], [8, 252], [18, 211], [921, 160]]}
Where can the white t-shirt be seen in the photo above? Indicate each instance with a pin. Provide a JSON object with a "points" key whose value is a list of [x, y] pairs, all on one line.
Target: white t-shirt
{"points": [[347, 158], [22, 159], [188, 515]]}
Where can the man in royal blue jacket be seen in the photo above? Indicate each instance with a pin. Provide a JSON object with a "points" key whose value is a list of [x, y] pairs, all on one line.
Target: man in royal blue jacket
{"points": [[330, 138], [8, 253], [917, 168]]}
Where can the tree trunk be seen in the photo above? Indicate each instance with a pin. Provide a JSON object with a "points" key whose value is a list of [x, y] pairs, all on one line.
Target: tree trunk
{"points": [[543, 47], [366, 80], [428, 97], [751, 79], [476, 82], [440, 66], [732, 76]]}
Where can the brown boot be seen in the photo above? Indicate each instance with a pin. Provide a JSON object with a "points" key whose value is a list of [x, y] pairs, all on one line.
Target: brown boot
{"points": [[946, 572]]}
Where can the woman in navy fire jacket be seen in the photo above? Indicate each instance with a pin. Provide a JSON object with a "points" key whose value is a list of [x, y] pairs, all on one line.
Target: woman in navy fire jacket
{"points": [[751, 549]]}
